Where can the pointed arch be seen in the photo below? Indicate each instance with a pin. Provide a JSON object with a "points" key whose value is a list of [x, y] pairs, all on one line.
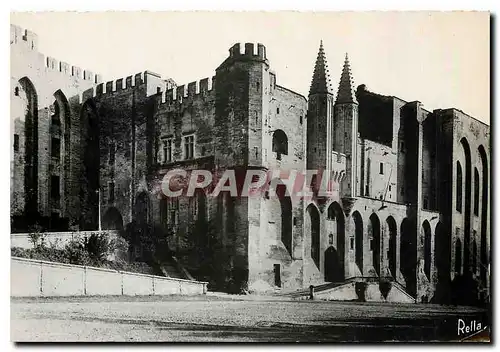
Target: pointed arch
{"points": [[31, 146], [359, 240], [408, 253], [112, 219], [314, 225], [484, 245], [426, 228], [374, 235], [60, 148], [476, 191], [392, 253], [335, 260], [468, 204], [459, 188]]}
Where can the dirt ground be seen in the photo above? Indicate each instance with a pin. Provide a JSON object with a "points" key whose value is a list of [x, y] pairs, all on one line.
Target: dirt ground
{"points": [[220, 318]]}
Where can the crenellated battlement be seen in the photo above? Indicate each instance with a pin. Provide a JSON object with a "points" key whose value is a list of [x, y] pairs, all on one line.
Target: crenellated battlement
{"points": [[74, 71], [192, 90], [24, 37], [250, 50], [29, 41], [153, 82]]}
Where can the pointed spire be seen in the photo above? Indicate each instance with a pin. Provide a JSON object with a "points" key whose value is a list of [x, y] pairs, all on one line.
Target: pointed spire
{"points": [[321, 77], [346, 92]]}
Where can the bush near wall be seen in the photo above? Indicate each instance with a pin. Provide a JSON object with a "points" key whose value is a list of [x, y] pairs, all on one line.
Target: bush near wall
{"points": [[91, 250]]}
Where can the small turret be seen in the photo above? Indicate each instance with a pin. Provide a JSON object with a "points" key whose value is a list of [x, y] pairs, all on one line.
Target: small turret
{"points": [[248, 52]]}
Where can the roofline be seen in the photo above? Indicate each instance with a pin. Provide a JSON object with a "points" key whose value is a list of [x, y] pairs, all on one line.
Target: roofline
{"points": [[291, 91]]}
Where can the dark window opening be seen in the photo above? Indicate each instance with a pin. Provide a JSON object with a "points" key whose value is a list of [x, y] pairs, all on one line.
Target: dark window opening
{"points": [[295, 221], [351, 243], [277, 275], [16, 142], [55, 117], [381, 168], [367, 193], [330, 239], [371, 244], [54, 187], [277, 110], [55, 148], [459, 187], [301, 119], [257, 85], [280, 143], [16, 91], [476, 192]]}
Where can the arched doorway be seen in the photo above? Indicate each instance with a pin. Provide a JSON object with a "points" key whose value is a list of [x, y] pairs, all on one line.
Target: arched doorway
{"points": [[392, 252], [442, 245], [30, 147], [313, 219], [112, 220], [358, 235], [335, 262], [334, 272], [374, 235], [426, 228], [408, 255]]}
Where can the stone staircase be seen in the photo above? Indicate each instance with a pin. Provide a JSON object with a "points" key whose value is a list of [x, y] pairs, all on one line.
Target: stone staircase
{"points": [[172, 268]]}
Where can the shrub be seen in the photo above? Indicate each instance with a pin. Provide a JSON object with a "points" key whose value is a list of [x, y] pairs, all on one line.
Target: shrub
{"points": [[74, 252], [98, 246]]}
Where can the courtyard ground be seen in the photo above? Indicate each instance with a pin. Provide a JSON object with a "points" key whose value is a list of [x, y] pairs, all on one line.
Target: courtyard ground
{"points": [[224, 318]]}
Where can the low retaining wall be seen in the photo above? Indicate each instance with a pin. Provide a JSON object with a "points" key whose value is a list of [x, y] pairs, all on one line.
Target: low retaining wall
{"points": [[36, 278], [59, 239]]}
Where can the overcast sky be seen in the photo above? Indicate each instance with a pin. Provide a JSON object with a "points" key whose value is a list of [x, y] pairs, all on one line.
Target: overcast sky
{"points": [[440, 59]]}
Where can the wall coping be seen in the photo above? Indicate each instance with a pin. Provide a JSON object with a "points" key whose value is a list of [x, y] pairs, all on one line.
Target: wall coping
{"points": [[64, 233], [84, 267]]}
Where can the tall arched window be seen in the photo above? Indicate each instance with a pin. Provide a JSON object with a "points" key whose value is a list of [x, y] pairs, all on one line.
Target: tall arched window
{"points": [[280, 143], [476, 191], [459, 187]]}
